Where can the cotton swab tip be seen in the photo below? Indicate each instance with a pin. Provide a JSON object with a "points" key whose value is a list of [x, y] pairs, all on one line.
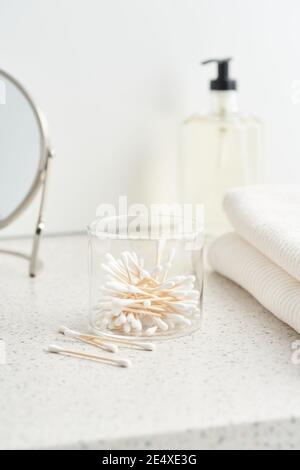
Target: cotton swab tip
{"points": [[109, 258], [110, 347], [62, 329], [148, 346], [67, 332], [52, 348], [124, 363], [151, 331]]}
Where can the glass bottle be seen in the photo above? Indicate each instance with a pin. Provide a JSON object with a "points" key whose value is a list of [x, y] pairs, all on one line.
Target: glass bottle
{"points": [[220, 150]]}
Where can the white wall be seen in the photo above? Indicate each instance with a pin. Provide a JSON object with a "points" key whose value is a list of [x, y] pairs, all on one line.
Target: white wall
{"points": [[114, 78]]}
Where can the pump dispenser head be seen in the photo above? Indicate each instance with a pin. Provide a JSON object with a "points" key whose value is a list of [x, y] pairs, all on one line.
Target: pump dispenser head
{"points": [[222, 82]]}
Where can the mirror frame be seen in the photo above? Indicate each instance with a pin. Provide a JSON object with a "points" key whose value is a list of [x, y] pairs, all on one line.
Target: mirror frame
{"points": [[43, 152]]}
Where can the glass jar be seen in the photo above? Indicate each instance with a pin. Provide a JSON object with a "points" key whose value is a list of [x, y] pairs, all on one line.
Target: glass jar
{"points": [[145, 278]]}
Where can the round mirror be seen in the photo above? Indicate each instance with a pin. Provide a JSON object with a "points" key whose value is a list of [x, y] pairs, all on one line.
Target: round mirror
{"points": [[22, 148], [24, 154]]}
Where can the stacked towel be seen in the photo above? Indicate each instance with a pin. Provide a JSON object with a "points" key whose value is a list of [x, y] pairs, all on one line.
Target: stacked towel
{"points": [[263, 256]]}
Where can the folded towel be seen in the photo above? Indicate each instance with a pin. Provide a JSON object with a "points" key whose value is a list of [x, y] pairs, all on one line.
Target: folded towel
{"points": [[273, 287], [268, 217]]}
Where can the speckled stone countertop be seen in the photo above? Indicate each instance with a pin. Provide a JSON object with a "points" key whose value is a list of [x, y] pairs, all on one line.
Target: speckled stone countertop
{"points": [[231, 386]]}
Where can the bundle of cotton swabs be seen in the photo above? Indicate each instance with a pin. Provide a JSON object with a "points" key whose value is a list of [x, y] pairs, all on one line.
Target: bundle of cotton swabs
{"points": [[138, 302], [109, 345]]}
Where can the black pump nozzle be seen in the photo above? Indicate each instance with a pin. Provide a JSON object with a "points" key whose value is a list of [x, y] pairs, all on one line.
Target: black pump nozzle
{"points": [[222, 82]]}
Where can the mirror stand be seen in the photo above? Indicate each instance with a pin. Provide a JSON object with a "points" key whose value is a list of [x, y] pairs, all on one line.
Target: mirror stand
{"points": [[34, 263]]}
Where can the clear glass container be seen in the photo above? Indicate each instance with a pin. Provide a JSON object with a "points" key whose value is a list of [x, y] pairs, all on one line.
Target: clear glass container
{"points": [[146, 279]]}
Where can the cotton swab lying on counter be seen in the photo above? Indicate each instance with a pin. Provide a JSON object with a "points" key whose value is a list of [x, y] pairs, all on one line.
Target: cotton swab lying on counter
{"points": [[130, 344], [88, 339], [134, 344], [110, 344], [90, 357]]}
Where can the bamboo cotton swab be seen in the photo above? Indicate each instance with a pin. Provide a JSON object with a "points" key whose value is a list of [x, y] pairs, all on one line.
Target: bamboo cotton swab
{"points": [[139, 302], [80, 355], [102, 342], [88, 339], [134, 344]]}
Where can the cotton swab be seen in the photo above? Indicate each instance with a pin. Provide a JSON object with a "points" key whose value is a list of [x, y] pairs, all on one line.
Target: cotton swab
{"points": [[146, 346], [110, 342], [151, 331], [138, 302], [160, 249], [88, 340], [80, 355], [161, 324], [168, 265]]}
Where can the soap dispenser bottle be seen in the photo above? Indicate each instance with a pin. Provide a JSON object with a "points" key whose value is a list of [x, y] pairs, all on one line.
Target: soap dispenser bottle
{"points": [[220, 150]]}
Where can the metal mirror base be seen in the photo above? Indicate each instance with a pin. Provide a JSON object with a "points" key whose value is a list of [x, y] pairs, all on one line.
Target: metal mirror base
{"points": [[28, 258]]}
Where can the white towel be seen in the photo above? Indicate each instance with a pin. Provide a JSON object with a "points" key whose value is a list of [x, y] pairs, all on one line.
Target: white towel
{"points": [[268, 217], [273, 287]]}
